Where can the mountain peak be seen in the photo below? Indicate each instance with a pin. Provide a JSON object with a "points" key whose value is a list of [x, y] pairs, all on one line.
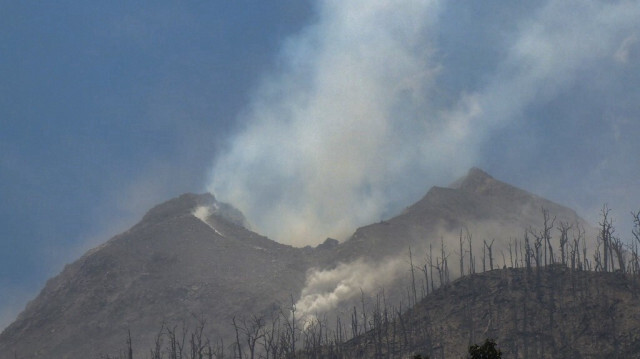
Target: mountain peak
{"points": [[476, 181], [190, 202], [179, 205]]}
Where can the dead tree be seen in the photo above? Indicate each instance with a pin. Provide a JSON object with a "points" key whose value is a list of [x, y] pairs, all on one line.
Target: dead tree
{"points": [[156, 351], [574, 253], [413, 278], [403, 328], [236, 327], [176, 341], [290, 333], [605, 237], [313, 337], [546, 233], [528, 251], [198, 342], [377, 325], [537, 244], [636, 225], [597, 258], [635, 231], [445, 263], [354, 323], [472, 265], [461, 255], [129, 345], [586, 264], [338, 338], [511, 254], [484, 255], [431, 266], [425, 271], [252, 331], [615, 244], [270, 338], [490, 251], [564, 228]]}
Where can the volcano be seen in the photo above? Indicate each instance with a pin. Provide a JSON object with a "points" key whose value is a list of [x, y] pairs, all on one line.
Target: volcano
{"points": [[194, 258]]}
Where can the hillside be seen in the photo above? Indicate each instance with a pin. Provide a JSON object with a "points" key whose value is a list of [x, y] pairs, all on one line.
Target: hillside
{"points": [[486, 207], [193, 258], [171, 267], [553, 313]]}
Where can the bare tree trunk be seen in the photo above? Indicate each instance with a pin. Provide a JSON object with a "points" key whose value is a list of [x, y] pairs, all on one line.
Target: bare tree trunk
{"points": [[461, 255], [511, 255], [364, 312], [431, 265], [129, 345], [445, 266], [606, 226], [413, 278], [403, 328], [490, 251], [472, 265], [527, 251], [564, 228], [237, 330], [354, 323], [426, 277], [484, 255]]}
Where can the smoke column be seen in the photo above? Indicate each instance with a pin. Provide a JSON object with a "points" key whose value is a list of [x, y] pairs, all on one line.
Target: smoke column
{"points": [[352, 126], [343, 126]]}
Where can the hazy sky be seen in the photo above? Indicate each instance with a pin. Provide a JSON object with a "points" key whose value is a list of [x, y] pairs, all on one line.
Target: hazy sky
{"points": [[312, 117]]}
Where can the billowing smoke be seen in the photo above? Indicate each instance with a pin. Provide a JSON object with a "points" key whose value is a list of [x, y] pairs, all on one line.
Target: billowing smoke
{"points": [[344, 126], [326, 289], [354, 123], [570, 69], [202, 213]]}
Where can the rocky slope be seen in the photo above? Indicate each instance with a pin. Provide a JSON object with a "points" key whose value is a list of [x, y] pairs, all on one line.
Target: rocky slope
{"points": [[193, 257], [172, 267], [553, 313], [489, 209]]}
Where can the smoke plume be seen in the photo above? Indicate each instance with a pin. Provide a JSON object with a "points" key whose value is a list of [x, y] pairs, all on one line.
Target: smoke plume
{"points": [[357, 120], [326, 289], [343, 126]]}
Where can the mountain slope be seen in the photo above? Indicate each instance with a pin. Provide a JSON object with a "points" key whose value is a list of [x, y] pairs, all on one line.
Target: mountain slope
{"points": [[553, 313], [170, 267], [489, 209], [376, 257], [193, 257]]}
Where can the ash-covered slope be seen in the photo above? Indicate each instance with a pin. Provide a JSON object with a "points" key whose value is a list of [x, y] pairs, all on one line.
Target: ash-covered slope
{"points": [[376, 258], [171, 266], [478, 203], [194, 257], [551, 313]]}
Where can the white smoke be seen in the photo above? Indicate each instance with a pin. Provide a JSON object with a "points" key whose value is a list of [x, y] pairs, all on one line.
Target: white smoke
{"points": [[352, 126], [344, 126], [202, 213], [562, 44], [326, 289]]}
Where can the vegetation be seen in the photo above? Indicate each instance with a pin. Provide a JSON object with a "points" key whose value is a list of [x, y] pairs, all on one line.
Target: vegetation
{"points": [[487, 350]]}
